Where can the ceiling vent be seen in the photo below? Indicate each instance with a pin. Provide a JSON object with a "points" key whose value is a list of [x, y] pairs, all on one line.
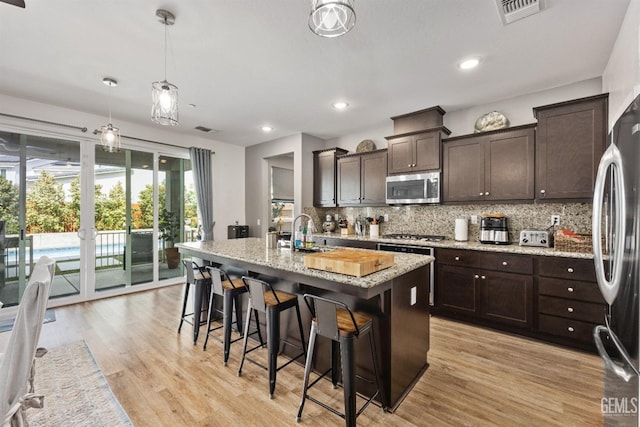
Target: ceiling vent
{"points": [[206, 129], [512, 10]]}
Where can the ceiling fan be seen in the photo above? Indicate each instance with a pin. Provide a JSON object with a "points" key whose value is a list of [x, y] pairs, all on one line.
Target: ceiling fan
{"points": [[19, 3]]}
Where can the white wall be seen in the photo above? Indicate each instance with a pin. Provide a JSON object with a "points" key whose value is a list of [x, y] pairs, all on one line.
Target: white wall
{"points": [[519, 111], [257, 175], [621, 77], [228, 162]]}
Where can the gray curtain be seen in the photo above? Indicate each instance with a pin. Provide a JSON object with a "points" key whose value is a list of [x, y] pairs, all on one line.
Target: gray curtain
{"points": [[201, 166]]}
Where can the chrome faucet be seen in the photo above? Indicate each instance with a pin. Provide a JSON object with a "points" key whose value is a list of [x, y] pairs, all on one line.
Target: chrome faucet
{"points": [[293, 226]]}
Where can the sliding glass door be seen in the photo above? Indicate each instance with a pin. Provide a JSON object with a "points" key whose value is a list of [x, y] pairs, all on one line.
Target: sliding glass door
{"points": [[101, 216], [39, 212]]}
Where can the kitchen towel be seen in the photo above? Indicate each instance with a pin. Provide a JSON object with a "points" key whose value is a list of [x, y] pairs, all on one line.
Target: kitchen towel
{"points": [[461, 230]]}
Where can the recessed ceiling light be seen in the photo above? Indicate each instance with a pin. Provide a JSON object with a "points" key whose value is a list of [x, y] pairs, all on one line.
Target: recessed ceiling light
{"points": [[340, 105], [468, 64], [266, 128]]}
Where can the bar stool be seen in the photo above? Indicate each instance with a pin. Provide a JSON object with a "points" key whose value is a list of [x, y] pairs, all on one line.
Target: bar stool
{"points": [[264, 298], [199, 278], [336, 321], [230, 289]]}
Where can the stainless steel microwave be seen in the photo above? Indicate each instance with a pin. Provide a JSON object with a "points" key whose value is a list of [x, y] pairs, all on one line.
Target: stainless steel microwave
{"points": [[414, 188]]}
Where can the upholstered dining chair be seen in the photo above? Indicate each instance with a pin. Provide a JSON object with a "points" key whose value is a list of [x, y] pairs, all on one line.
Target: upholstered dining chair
{"points": [[17, 365]]}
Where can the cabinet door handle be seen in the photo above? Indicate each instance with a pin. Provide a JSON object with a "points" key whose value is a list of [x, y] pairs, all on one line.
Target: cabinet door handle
{"points": [[476, 276], [413, 165], [570, 289], [409, 165], [482, 194], [570, 309], [457, 258], [483, 277], [505, 263], [543, 194], [570, 329], [486, 194], [570, 270]]}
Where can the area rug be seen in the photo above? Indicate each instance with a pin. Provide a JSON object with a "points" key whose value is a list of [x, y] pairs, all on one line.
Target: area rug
{"points": [[7, 324], [76, 392]]}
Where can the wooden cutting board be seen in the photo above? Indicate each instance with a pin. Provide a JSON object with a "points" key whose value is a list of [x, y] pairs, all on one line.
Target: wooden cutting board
{"points": [[349, 261]]}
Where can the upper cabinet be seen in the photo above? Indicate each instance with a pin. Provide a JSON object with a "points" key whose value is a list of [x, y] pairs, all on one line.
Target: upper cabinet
{"points": [[361, 179], [570, 139], [490, 166], [324, 177], [415, 145]]}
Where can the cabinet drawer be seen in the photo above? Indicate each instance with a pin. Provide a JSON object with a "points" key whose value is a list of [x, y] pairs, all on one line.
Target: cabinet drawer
{"points": [[486, 260], [457, 257], [583, 291], [571, 309], [568, 328], [567, 268], [506, 262]]}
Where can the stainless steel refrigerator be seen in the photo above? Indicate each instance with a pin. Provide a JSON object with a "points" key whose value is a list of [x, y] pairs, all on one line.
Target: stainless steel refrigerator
{"points": [[616, 248]]}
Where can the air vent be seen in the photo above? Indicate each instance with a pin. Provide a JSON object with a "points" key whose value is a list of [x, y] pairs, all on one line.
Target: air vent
{"points": [[206, 129], [512, 10]]}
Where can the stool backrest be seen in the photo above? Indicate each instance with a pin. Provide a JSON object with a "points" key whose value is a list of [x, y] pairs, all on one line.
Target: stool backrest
{"points": [[325, 312], [217, 276], [191, 267], [257, 288], [188, 267]]}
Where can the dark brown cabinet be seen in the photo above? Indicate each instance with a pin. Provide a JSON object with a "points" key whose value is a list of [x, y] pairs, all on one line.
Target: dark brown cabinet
{"points": [[551, 298], [492, 166], [570, 139], [324, 177], [495, 287], [361, 179], [415, 152], [569, 301]]}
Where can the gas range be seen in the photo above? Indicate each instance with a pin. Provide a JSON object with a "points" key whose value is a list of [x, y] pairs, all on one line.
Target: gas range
{"points": [[422, 237]]}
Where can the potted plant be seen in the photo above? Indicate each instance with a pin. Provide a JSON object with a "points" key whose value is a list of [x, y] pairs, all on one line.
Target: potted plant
{"points": [[169, 227]]}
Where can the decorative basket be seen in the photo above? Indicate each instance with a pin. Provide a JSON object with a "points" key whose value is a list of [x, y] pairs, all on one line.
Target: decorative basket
{"points": [[573, 243]]}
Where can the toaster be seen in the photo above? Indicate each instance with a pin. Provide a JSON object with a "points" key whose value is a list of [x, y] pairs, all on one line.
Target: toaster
{"points": [[541, 238]]}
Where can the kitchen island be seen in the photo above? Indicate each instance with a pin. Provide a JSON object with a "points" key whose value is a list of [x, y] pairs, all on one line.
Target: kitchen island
{"points": [[397, 296]]}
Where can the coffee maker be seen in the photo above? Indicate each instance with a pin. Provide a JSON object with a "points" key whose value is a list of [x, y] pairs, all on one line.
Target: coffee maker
{"points": [[493, 229]]}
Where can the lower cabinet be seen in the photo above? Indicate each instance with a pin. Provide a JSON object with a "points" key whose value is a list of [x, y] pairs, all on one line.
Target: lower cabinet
{"points": [[551, 298], [486, 286], [569, 302]]}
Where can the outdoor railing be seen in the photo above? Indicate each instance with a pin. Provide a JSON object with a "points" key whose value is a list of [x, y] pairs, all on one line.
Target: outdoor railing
{"points": [[109, 250]]}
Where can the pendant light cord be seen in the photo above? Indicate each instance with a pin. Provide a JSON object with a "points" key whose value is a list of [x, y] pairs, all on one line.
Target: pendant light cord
{"points": [[110, 104], [165, 48]]}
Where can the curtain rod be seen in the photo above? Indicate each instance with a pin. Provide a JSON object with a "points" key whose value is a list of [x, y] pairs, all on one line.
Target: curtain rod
{"points": [[96, 132], [84, 130], [81, 129]]}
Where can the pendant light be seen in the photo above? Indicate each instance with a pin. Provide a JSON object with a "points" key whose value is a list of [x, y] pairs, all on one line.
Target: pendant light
{"points": [[332, 18], [110, 135], [164, 95]]}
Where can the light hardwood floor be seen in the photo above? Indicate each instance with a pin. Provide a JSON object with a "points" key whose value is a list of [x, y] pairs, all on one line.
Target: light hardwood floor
{"points": [[477, 377]]}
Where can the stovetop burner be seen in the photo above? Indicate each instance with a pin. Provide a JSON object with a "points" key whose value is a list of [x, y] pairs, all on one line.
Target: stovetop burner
{"points": [[404, 236]]}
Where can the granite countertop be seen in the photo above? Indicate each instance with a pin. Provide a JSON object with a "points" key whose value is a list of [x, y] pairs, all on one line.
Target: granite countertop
{"points": [[253, 250], [512, 248]]}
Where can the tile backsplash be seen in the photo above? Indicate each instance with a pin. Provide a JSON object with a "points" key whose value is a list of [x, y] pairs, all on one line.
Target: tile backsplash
{"points": [[440, 219]]}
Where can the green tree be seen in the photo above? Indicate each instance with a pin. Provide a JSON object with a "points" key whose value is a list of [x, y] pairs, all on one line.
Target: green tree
{"points": [[45, 205], [73, 207], [9, 205], [145, 203], [110, 210], [191, 206]]}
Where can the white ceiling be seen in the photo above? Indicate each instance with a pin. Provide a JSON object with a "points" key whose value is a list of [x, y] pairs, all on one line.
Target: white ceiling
{"points": [[245, 63]]}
